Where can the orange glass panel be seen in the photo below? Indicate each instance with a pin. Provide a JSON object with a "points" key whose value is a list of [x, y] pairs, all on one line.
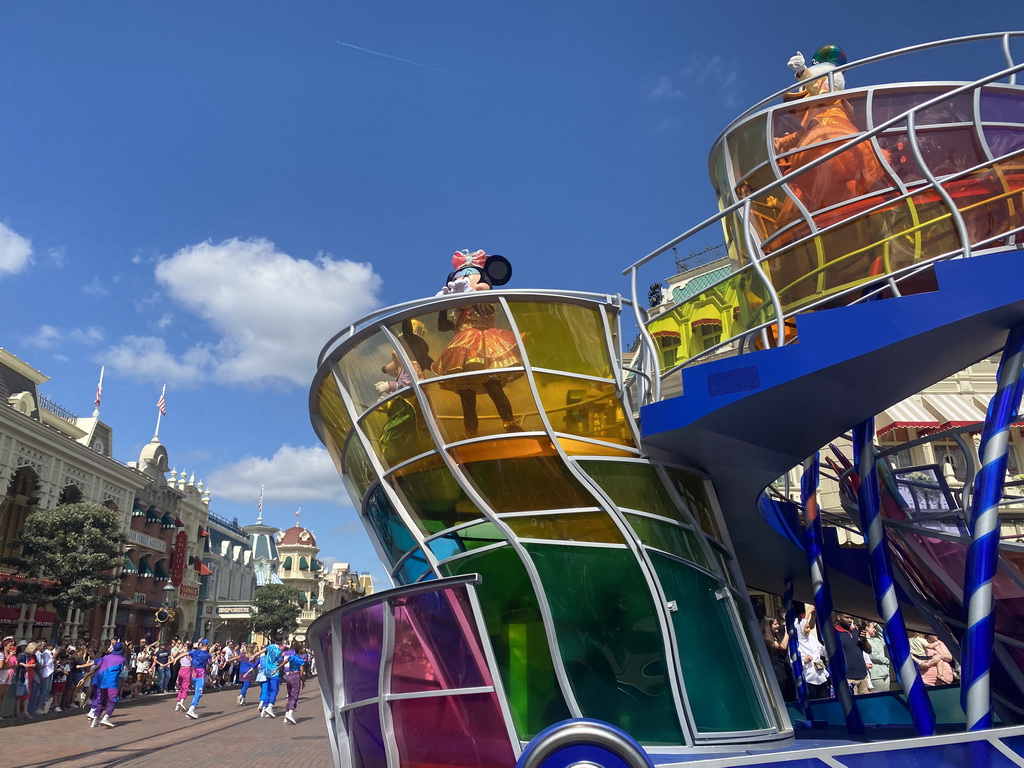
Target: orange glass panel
{"points": [[521, 478], [563, 337], [585, 408], [577, 526], [433, 498]]}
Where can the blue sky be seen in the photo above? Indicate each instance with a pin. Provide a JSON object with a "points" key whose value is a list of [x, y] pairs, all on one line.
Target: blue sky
{"points": [[200, 194]]}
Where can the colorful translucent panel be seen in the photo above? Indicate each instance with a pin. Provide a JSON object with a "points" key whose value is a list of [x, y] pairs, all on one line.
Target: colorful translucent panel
{"points": [[482, 405], [634, 485], [361, 643], [998, 106], [413, 568], [535, 480], [332, 410], [454, 731], [465, 540], [398, 430], [436, 644], [578, 526], [747, 147], [610, 639], [360, 369], [721, 694], [393, 535], [367, 741], [325, 657], [563, 337], [432, 496], [669, 538], [357, 466], [587, 408], [693, 492], [517, 636]]}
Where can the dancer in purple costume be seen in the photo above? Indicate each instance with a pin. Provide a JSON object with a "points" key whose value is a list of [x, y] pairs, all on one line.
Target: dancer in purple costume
{"points": [[108, 679]]}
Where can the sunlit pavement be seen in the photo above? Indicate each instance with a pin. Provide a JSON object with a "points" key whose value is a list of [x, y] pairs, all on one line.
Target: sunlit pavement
{"points": [[150, 733]]}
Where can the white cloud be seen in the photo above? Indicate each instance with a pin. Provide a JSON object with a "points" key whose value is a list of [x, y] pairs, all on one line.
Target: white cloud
{"points": [[51, 337], [95, 288], [89, 336], [15, 251], [146, 357], [272, 313], [164, 321], [291, 476], [45, 337], [58, 256], [663, 89]]}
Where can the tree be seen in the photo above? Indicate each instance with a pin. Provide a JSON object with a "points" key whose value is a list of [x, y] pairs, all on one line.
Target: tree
{"points": [[68, 558], [277, 610]]}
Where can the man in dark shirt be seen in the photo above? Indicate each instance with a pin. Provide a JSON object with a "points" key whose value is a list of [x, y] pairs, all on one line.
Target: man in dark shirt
{"points": [[163, 668], [849, 640]]}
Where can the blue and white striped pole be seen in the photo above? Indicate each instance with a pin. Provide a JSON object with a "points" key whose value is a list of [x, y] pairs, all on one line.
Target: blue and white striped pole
{"points": [[983, 555], [813, 544], [881, 579], [795, 662]]}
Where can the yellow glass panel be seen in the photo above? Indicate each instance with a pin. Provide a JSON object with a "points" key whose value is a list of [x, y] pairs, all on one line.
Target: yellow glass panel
{"points": [[432, 497], [397, 429], [586, 408], [524, 474], [483, 404], [748, 146], [358, 467], [694, 494], [360, 369], [564, 337], [634, 485], [334, 418], [582, 448], [577, 526]]}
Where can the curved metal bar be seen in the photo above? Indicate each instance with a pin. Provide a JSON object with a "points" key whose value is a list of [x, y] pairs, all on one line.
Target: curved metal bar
{"points": [[755, 264], [1009, 57]]}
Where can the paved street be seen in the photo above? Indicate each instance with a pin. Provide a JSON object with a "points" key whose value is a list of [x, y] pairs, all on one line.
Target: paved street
{"points": [[149, 733]]}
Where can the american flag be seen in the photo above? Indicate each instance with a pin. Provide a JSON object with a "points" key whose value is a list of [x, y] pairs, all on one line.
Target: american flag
{"points": [[161, 404], [259, 507], [99, 388]]}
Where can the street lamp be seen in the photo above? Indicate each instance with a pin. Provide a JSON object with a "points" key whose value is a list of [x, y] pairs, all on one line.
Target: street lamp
{"points": [[164, 614]]}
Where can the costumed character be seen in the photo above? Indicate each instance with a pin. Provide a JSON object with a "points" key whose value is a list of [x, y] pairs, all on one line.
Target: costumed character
{"points": [[850, 174], [405, 433], [478, 345]]}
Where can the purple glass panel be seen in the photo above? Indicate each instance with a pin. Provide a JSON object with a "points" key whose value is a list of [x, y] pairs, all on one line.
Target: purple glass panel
{"points": [[1003, 107], [888, 104], [436, 644], [1003, 141], [367, 742], [325, 658], [361, 639], [455, 731]]}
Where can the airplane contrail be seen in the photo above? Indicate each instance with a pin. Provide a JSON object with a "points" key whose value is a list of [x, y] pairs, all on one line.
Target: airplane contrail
{"points": [[396, 58]]}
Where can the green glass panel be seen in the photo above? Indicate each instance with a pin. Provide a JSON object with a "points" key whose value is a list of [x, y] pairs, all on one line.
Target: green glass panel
{"points": [[358, 467], [398, 430], [563, 337], [465, 540], [719, 686], [670, 538], [693, 491], [610, 639], [517, 635], [526, 483], [578, 526], [634, 485], [391, 532], [432, 496], [586, 408]]}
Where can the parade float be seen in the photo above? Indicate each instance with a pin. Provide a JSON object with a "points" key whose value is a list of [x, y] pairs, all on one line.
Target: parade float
{"points": [[571, 519]]}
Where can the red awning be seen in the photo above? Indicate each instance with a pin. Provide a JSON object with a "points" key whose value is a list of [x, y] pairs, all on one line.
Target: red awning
{"points": [[201, 567], [202, 533], [9, 615], [906, 414], [666, 334], [177, 522], [706, 321]]}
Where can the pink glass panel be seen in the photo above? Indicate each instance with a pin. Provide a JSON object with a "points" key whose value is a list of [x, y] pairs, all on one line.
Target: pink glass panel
{"points": [[361, 638], [436, 644], [453, 731]]}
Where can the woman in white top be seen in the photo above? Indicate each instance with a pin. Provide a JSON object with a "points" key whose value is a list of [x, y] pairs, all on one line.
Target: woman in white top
{"points": [[812, 654], [184, 676]]}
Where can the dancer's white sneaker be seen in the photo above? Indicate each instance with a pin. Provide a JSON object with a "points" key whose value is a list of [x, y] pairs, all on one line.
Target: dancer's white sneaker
{"points": [[192, 713], [289, 717], [106, 722]]}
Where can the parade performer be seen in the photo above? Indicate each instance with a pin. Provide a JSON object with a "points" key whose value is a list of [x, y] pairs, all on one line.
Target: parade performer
{"points": [[293, 663], [270, 669], [247, 665], [200, 661], [108, 680], [478, 345], [405, 433]]}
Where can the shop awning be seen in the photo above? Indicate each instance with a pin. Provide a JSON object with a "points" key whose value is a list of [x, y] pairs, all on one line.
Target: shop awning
{"points": [[160, 572], [177, 522], [708, 314], [167, 521], [137, 510], [200, 566], [303, 563], [152, 515], [287, 564], [954, 410], [907, 414], [262, 579], [982, 402], [9, 615], [302, 598], [665, 334], [315, 565], [145, 570], [129, 566], [202, 533]]}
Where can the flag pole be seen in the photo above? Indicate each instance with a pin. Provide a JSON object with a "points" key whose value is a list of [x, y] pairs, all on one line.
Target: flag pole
{"points": [[161, 408]]}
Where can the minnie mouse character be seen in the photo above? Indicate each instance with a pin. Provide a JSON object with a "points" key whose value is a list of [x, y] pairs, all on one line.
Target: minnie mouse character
{"points": [[478, 345]]}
